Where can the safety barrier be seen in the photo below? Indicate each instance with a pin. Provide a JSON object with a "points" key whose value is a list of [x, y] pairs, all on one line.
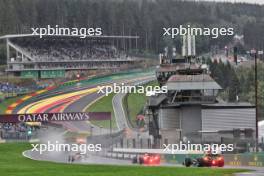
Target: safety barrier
{"points": [[245, 159]]}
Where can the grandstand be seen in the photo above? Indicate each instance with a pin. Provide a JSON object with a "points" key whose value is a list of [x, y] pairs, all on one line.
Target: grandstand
{"points": [[51, 56]]}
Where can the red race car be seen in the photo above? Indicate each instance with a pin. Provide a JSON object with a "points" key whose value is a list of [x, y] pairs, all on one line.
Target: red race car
{"points": [[208, 160], [147, 159]]}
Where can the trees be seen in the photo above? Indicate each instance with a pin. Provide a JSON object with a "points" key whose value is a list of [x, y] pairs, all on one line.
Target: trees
{"points": [[234, 87], [239, 82], [144, 18]]}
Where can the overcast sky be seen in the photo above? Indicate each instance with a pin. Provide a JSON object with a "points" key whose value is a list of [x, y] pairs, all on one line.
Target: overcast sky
{"points": [[247, 1]]}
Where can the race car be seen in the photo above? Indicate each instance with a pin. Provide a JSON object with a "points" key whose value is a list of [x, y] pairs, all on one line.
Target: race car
{"points": [[208, 160], [147, 159]]}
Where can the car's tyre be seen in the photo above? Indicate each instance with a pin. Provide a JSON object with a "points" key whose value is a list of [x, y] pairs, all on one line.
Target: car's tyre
{"points": [[200, 162], [141, 161], [188, 162], [134, 160]]}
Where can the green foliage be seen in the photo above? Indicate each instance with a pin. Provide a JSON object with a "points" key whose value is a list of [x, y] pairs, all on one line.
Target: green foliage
{"points": [[103, 105], [2, 54], [1, 96], [143, 18], [248, 87], [234, 87], [239, 82]]}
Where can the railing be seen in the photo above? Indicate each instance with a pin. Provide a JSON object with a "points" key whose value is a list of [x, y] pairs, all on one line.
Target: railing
{"points": [[194, 99]]}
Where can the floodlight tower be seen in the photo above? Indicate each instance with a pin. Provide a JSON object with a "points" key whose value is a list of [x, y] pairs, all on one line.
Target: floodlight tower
{"points": [[188, 47]]}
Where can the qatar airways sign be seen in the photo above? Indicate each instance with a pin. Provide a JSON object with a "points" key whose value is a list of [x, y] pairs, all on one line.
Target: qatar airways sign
{"points": [[48, 117]]}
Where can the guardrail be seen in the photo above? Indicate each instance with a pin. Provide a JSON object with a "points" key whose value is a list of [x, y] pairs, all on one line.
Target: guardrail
{"points": [[242, 159]]}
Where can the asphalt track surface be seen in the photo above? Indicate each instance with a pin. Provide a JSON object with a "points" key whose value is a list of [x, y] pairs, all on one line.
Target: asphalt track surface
{"points": [[121, 121], [62, 157], [97, 159]]}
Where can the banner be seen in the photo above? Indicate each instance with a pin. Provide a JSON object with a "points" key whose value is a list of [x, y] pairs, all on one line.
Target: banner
{"points": [[52, 74], [29, 74], [48, 117]]}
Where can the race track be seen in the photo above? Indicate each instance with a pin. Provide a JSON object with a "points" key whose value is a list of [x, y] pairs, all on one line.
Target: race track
{"points": [[72, 99]]}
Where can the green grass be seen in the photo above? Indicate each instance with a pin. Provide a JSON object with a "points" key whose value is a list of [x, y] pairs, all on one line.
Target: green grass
{"points": [[12, 163], [5, 103], [135, 103], [103, 105]]}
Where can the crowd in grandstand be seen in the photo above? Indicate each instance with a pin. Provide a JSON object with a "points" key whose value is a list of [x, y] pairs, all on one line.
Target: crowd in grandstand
{"points": [[13, 127], [79, 65], [68, 50], [14, 131], [7, 87], [8, 90]]}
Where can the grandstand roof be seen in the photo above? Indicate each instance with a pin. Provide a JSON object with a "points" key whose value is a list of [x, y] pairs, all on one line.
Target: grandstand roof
{"points": [[177, 67], [191, 82], [77, 36], [191, 78]]}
